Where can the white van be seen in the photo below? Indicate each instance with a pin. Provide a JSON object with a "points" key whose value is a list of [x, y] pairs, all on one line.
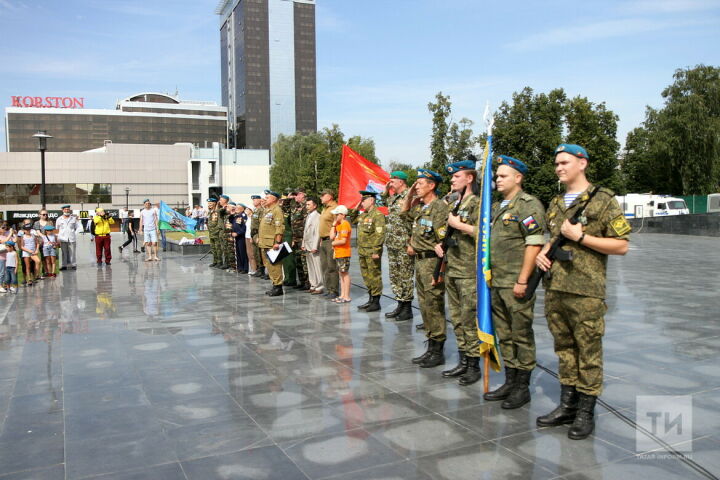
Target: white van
{"points": [[643, 205]]}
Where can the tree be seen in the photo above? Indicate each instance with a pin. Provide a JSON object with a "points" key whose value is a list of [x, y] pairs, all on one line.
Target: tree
{"points": [[530, 129], [677, 148], [595, 127], [312, 161], [404, 167]]}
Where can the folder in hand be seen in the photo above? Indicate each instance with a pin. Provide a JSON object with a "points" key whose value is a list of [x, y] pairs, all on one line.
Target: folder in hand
{"points": [[276, 256]]}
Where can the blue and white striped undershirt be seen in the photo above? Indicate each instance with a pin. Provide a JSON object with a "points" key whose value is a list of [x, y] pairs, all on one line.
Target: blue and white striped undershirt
{"points": [[570, 198], [504, 203]]}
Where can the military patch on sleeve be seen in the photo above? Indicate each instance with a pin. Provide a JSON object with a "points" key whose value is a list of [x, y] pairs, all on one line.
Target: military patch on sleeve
{"points": [[378, 229], [620, 225], [441, 232], [531, 225]]}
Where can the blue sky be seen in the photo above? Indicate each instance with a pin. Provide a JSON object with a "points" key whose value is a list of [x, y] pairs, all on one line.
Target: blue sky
{"points": [[379, 62]]}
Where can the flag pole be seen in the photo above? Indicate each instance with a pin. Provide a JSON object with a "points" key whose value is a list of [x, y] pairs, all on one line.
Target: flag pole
{"points": [[489, 121]]}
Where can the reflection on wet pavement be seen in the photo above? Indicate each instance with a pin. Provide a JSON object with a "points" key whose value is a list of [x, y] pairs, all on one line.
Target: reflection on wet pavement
{"points": [[173, 370]]}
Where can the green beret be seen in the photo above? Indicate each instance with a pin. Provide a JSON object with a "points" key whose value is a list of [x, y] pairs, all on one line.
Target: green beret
{"points": [[368, 193], [399, 174]]}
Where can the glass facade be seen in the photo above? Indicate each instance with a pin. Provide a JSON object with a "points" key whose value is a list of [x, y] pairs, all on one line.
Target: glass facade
{"points": [[27, 194], [80, 132]]}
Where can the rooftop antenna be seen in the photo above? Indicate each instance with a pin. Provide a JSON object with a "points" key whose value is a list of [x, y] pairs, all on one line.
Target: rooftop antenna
{"points": [[176, 92]]}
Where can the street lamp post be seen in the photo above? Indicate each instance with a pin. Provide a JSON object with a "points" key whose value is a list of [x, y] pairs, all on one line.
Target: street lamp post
{"points": [[127, 198], [42, 137]]}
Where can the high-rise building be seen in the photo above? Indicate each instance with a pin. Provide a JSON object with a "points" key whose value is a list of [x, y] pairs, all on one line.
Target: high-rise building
{"points": [[268, 69]]}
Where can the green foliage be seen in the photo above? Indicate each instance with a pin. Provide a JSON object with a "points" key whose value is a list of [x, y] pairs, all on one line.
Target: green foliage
{"points": [[404, 167], [450, 141], [533, 125], [312, 161], [677, 148]]}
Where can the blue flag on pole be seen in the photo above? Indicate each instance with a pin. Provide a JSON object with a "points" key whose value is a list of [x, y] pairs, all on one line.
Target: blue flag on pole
{"points": [[486, 330]]}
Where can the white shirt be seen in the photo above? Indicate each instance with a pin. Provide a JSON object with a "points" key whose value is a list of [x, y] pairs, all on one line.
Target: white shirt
{"points": [[68, 227], [248, 225], [123, 214], [148, 219]]}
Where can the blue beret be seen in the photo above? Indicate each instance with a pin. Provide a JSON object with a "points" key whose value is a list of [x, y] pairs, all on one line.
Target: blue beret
{"points": [[233, 204], [429, 174], [255, 197], [225, 197], [458, 166], [146, 200], [212, 199], [274, 194], [65, 206], [10, 242], [512, 163], [242, 205], [572, 149]]}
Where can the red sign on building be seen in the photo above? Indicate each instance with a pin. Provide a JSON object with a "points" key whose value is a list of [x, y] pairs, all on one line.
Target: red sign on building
{"points": [[48, 102]]}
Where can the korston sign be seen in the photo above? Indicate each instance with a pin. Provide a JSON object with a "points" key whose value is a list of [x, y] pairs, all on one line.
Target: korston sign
{"points": [[48, 102]]}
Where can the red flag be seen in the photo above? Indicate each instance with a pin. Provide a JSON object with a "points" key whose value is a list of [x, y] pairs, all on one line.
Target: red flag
{"points": [[357, 173]]}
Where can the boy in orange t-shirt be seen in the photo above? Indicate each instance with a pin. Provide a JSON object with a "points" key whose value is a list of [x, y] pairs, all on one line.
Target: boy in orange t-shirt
{"points": [[340, 235]]}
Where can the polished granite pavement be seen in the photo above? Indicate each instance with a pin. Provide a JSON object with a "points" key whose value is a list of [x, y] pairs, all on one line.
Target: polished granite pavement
{"points": [[174, 370]]}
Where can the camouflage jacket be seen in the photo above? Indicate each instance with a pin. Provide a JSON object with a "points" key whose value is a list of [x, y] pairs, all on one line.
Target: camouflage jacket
{"points": [[461, 256], [297, 222], [429, 224], [371, 231], [255, 222], [585, 274], [520, 223], [399, 228], [216, 220]]}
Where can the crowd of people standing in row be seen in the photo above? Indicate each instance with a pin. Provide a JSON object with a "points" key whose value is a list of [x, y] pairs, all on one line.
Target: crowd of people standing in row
{"points": [[418, 221]]}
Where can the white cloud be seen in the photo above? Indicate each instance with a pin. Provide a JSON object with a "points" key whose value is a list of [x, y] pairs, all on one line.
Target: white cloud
{"points": [[585, 32]]}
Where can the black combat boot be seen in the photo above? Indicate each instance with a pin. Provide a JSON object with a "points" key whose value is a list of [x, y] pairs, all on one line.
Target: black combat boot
{"points": [[504, 391], [406, 312], [265, 276], [520, 394], [429, 343], [259, 272], [374, 304], [565, 413], [584, 422], [366, 304], [420, 326], [436, 357], [473, 373], [224, 266], [276, 291], [459, 369], [395, 312]]}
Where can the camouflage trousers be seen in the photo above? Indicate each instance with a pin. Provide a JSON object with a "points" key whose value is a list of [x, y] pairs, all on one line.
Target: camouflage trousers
{"points": [[300, 263], [215, 248], [462, 299], [229, 251], [431, 299], [513, 321], [372, 274], [577, 324], [402, 268], [275, 272], [257, 253]]}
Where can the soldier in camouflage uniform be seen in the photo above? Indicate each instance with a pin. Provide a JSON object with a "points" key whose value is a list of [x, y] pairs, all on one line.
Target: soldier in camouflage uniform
{"points": [[270, 236], [428, 215], [461, 271], [212, 231], [230, 254], [575, 292], [221, 234], [287, 204], [370, 239], [518, 234], [258, 213], [297, 226], [397, 236]]}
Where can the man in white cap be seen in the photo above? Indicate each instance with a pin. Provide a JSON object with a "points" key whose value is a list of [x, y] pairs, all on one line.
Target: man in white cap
{"points": [[68, 226]]}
